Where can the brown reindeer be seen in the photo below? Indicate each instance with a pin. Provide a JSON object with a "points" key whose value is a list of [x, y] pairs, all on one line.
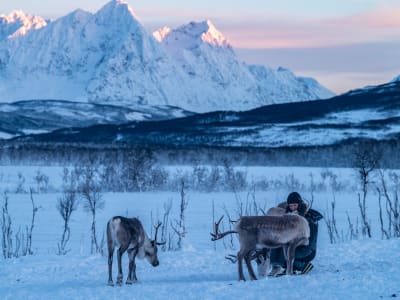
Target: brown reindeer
{"points": [[287, 231], [130, 236], [261, 255]]}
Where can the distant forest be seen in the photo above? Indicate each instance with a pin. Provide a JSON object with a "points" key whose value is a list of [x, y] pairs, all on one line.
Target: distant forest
{"points": [[338, 155]]}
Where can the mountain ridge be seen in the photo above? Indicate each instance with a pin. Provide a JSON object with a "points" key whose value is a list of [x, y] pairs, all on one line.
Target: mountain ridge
{"points": [[109, 58], [365, 114]]}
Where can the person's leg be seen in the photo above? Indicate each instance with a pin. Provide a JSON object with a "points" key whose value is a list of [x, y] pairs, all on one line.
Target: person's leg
{"points": [[303, 264]]}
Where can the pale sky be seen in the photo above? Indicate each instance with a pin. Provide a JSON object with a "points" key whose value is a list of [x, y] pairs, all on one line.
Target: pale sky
{"points": [[344, 44]]}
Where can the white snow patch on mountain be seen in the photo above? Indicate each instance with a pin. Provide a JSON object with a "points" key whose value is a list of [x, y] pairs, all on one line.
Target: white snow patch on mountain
{"points": [[109, 57], [18, 23], [160, 34], [396, 79]]}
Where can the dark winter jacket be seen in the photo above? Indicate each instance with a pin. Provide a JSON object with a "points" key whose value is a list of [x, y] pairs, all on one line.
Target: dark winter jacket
{"points": [[303, 254], [307, 253]]}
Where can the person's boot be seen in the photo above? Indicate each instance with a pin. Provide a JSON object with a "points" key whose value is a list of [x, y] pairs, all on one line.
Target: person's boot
{"points": [[307, 268]]}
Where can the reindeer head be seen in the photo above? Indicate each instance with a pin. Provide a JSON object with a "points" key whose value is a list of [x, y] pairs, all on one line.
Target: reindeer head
{"points": [[151, 249]]}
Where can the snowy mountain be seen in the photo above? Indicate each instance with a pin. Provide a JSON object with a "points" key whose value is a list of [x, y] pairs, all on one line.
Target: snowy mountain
{"points": [[109, 58], [204, 53], [41, 116], [18, 23], [370, 113]]}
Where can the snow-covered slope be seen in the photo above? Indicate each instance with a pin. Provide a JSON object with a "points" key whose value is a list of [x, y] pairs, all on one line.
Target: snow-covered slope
{"points": [[396, 79], [370, 113], [18, 23], [41, 116], [204, 53], [215, 74], [109, 57], [350, 269]]}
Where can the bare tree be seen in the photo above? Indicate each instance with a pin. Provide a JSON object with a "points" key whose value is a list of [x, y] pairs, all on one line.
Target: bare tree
{"points": [[90, 190], [253, 208], [312, 188], [231, 240], [330, 221], [179, 227], [20, 189], [6, 229], [165, 236], [66, 205], [383, 230], [365, 162], [42, 181], [235, 180], [392, 203], [138, 167], [353, 231], [30, 229]]}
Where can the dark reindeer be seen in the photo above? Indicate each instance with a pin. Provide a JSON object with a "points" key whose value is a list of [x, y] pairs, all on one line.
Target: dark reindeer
{"points": [[130, 236], [255, 232]]}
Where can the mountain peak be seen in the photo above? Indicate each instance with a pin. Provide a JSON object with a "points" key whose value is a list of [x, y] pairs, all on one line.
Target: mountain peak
{"points": [[206, 32], [161, 33], [18, 23], [211, 35], [116, 12], [192, 35]]}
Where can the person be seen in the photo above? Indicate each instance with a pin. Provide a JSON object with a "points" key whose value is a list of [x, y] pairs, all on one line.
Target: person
{"points": [[304, 254]]}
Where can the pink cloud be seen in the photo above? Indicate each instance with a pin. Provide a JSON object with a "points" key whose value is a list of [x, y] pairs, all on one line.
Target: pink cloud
{"points": [[382, 24], [381, 17]]}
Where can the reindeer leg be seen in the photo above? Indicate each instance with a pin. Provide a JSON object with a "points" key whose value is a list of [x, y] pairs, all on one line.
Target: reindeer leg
{"points": [[119, 257], [132, 267], [110, 262], [247, 259], [240, 266], [290, 258]]}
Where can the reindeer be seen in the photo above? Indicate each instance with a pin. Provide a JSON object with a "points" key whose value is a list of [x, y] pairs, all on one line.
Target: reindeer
{"points": [[130, 236], [287, 231]]}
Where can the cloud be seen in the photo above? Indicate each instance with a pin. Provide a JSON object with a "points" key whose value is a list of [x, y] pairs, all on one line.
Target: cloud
{"points": [[381, 24]]}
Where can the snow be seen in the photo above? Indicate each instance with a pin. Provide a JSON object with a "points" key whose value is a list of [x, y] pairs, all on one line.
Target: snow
{"points": [[360, 269], [161, 33], [5, 135], [32, 131], [396, 79], [109, 57], [18, 23], [325, 130]]}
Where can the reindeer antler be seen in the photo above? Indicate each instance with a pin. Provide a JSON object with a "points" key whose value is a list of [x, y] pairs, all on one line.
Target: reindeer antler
{"points": [[156, 228], [156, 232], [216, 235]]}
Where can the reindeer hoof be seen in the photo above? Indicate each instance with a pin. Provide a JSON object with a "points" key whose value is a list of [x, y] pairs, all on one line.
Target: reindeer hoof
{"points": [[131, 281], [253, 278], [110, 283]]}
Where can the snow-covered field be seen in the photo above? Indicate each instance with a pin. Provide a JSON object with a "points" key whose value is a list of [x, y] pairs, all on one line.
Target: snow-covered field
{"points": [[360, 269]]}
